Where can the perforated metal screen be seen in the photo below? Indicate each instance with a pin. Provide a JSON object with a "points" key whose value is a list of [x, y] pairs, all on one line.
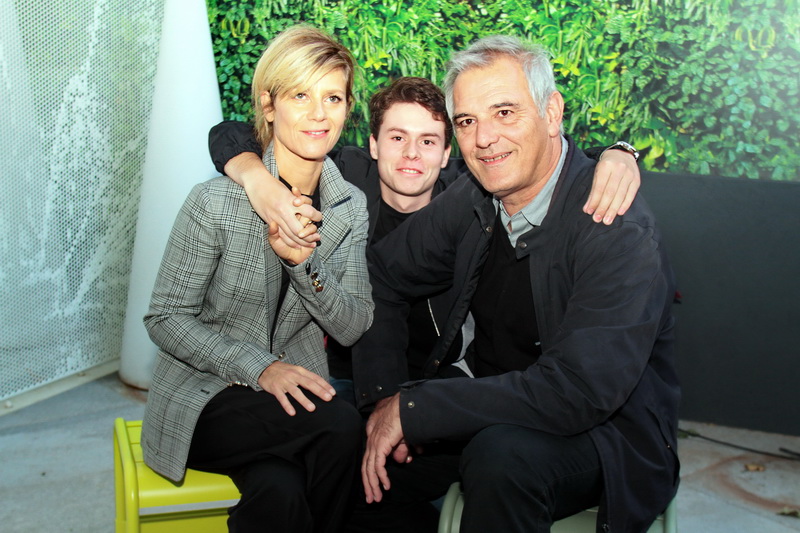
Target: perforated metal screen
{"points": [[76, 84]]}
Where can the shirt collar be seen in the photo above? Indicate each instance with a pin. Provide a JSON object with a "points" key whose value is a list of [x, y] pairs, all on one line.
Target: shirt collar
{"points": [[532, 214]]}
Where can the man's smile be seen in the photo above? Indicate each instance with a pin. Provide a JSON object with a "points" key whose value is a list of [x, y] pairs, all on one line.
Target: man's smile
{"points": [[494, 158], [409, 170]]}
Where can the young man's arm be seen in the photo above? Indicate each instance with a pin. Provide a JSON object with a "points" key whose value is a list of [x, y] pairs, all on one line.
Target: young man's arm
{"points": [[236, 154]]}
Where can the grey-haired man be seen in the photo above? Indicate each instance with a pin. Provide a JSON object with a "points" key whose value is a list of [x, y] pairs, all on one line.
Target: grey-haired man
{"points": [[574, 402]]}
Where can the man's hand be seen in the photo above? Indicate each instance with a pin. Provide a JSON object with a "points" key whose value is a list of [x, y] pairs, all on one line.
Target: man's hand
{"points": [[283, 380], [273, 202], [384, 435], [616, 181], [402, 452]]}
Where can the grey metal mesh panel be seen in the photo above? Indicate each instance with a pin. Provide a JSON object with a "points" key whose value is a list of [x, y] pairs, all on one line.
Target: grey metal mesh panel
{"points": [[76, 84]]}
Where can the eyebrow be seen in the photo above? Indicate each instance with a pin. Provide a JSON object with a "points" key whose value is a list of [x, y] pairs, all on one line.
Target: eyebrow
{"points": [[504, 104], [493, 106], [424, 134]]}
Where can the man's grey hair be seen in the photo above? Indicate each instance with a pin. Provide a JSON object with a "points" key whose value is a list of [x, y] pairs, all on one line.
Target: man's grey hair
{"points": [[534, 59]]}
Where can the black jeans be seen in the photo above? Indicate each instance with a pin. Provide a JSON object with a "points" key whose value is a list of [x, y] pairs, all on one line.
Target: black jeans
{"points": [[295, 473]]}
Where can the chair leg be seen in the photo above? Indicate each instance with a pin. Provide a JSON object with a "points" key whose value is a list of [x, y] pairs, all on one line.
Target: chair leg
{"points": [[671, 516], [126, 483], [450, 516]]}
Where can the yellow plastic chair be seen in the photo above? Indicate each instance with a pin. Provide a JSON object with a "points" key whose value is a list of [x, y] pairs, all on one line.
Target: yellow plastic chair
{"points": [[147, 502], [583, 522]]}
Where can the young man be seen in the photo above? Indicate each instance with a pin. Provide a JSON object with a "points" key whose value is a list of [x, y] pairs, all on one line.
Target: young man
{"points": [[406, 166]]}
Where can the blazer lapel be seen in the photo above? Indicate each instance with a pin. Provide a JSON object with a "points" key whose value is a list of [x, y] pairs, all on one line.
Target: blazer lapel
{"points": [[273, 272], [334, 195], [272, 276]]}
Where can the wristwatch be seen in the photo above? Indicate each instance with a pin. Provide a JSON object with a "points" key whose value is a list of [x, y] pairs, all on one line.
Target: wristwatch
{"points": [[627, 147]]}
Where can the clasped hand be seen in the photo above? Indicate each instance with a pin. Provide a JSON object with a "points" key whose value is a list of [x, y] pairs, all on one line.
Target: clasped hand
{"points": [[282, 245]]}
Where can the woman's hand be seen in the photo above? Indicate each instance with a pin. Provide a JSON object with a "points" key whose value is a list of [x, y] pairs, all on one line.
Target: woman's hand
{"points": [[283, 380], [294, 255], [308, 223], [616, 181]]}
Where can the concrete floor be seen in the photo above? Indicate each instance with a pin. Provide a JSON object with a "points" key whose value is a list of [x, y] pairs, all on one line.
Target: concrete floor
{"points": [[56, 471]]}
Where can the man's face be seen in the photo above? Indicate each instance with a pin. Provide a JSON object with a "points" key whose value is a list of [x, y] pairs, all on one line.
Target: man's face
{"points": [[507, 145], [410, 150]]}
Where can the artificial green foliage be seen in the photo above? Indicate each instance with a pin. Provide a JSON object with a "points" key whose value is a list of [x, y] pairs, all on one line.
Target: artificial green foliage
{"points": [[702, 87], [719, 88]]}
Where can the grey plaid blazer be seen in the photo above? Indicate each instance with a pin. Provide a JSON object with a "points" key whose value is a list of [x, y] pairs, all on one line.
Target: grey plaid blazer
{"points": [[216, 295]]}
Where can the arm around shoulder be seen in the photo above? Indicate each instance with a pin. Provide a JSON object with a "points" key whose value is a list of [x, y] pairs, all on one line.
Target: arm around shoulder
{"points": [[230, 138], [616, 182]]}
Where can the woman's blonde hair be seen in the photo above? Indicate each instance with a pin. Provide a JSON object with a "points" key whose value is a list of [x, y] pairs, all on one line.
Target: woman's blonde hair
{"points": [[296, 59]]}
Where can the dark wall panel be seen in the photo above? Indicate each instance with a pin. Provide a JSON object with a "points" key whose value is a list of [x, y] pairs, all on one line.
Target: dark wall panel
{"points": [[735, 248]]}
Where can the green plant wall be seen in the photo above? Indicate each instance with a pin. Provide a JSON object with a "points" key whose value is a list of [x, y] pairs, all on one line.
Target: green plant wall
{"points": [[702, 87]]}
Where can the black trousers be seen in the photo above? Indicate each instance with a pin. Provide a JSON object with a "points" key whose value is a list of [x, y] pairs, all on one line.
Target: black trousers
{"points": [[514, 480], [522, 480], [296, 473]]}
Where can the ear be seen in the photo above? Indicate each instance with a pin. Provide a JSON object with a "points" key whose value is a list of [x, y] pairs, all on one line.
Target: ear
{"points": [[446, 156], [267, 107], [373, 147], [554, 113]]}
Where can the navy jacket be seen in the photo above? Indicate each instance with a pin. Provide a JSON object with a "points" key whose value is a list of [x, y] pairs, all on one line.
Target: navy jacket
{"points": [[603, 296]]}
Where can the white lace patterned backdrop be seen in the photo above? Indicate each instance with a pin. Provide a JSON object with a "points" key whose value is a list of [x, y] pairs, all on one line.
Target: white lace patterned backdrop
{"points": [[76, 86]]}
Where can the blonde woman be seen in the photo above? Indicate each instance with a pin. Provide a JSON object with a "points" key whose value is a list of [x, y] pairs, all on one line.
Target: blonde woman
{"points": [[241, 380]]}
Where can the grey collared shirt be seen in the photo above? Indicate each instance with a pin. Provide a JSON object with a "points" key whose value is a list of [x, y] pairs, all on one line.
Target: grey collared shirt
{"points": [[532, 214]]}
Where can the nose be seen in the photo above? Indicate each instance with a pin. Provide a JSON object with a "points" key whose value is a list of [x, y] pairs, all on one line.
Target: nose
{"points": [[485, 134], [317, 111], [411, 151]]}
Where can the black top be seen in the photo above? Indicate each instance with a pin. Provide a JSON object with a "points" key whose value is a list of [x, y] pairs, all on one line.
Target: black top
{"points": [[420, 320], [315, 203], [506, 334]]}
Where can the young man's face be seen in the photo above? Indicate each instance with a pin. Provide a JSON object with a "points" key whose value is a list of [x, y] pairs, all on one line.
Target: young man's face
{"points": [[411, 151]]}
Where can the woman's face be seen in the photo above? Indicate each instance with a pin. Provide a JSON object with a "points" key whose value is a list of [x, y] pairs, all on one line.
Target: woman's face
{"points": [[307, 125]]}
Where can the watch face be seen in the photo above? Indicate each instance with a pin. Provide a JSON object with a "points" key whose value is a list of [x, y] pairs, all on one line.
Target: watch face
{"points": [[628, 148]]}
